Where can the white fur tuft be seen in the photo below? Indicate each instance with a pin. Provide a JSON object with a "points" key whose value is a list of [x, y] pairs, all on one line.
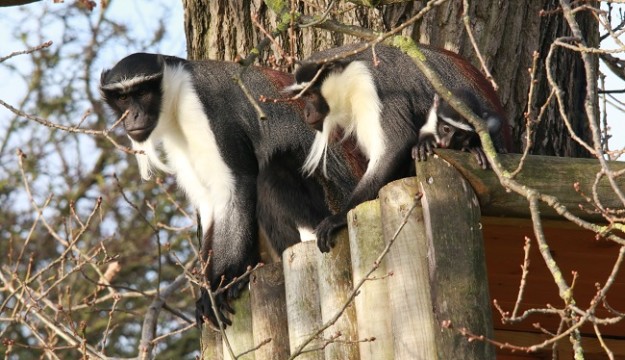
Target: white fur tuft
{"points": [[493, 123], [190, 148], [149, 159], [317, 152], [355, 107], [430, 125], [306, 234], [296, 87]]}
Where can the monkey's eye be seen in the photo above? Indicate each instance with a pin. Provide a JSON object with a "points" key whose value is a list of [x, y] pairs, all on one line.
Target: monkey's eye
{"points": [[122, 97], [446, 129]]}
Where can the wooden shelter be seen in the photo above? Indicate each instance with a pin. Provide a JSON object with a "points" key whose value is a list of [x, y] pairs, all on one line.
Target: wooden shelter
{"points": [[457, 244]]}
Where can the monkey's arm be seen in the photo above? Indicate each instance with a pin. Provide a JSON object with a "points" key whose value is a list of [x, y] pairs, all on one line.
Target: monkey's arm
{"points": [[394, 164], [425, 147], [232, 242]]}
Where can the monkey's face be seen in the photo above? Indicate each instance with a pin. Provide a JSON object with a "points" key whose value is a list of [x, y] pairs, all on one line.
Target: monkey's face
{"points": [[143, 103], [316, 109], [450, 137]]}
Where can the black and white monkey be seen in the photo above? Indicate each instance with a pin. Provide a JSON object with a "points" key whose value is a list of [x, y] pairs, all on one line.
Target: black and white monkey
{"points": [[447, 129], [383, 106], [234, 168]]}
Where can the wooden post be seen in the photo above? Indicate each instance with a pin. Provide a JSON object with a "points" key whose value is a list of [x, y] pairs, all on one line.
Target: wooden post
{"points": [[335, 283], [302, 296], [269, 312], [414, 335], [211, 344], [558, 181], [240, 332], [457, 264], [372, 304]]}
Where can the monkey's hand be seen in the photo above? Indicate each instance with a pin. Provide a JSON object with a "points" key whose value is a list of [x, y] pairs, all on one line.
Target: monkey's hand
{"points": [[481, 158], [206, 312], [227, 286], [425, 147], [327, 229]]}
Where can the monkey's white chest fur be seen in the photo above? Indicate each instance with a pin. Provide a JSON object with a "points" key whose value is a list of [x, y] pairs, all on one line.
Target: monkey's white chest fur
{"points": [[356, 108], [191, 149]]}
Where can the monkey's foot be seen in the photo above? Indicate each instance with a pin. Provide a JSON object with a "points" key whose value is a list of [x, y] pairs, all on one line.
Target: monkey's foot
{"points": [[423, 149], [481, 158], [327, 229], [204, 311]]}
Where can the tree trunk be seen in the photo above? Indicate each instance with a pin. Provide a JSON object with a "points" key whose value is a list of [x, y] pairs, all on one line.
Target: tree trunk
{"points": [[224, 29], [504, 30]]}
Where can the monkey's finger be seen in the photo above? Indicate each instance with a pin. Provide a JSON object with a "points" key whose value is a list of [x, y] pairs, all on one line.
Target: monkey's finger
{"points": [[224, 320], [324, 242], [415, 152], [482, 160], [225, 306], [327, 229], [426, 149], [221, 305]]}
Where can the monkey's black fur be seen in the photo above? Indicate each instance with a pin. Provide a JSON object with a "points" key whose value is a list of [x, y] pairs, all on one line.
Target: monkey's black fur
{"points": [[253, 175], [405, 97]]}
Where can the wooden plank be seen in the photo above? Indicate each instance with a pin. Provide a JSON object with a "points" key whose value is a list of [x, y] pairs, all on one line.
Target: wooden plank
{"points": [[572, 248], [456, 257], [548, 174], [211, 344], [269, 319], [372, 303], [414, 335], [239, 334], [302, 296], [335, 284]]}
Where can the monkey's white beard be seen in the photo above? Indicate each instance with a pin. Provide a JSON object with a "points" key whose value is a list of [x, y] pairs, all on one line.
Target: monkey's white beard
{"points": [[149, 160], [317, 152], [356, 108]]}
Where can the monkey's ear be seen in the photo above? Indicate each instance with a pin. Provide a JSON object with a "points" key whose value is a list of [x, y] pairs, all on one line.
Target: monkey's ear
{"points": [[336, 65], [493, 123], [436, 102], [306, 72], [160, 60], [103, 76]]}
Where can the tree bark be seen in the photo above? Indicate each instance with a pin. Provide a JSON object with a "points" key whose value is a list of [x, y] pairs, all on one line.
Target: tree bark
{"points": [[504, 30], [514, 30], [224, 30]]}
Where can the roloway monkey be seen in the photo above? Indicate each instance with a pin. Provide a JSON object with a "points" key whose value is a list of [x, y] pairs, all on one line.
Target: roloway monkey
{"points": [[235, 168], [382, 106], [447, 129]]}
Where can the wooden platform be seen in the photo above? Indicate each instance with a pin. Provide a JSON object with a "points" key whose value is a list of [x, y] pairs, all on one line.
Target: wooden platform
{"points": [[574, 250], [461, 231], [505, 224]]}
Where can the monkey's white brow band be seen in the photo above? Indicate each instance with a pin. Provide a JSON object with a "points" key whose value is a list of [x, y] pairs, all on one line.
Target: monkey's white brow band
{"points": [[457, 124], [126, 84], [296, 87]]}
